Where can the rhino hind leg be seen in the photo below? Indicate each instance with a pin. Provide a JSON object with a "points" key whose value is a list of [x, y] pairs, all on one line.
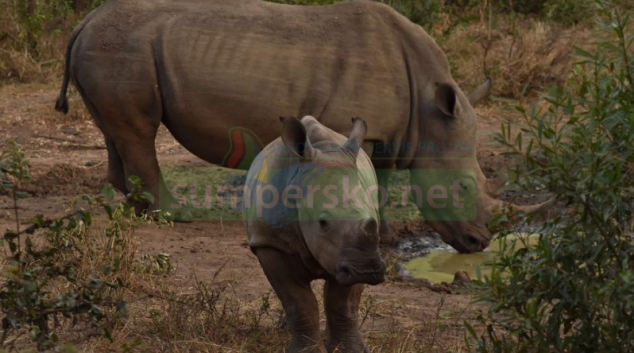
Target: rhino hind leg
{"points": [[342, 318], [134, 154], [139, 159], [291, 282], [130, 136], [116, 173]]}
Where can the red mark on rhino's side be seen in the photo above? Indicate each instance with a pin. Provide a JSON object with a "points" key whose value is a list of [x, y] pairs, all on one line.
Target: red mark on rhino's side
{"points": [[237, 149]]}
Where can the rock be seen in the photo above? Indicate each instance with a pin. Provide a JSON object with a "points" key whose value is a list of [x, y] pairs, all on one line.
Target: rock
{"points": [[461, 278]]}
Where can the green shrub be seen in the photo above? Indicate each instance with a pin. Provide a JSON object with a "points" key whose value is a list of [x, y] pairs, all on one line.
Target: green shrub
{"points": [[307, 2], [65, 270], [574, 290], [567, 12], [422, 12], [562, 11], [523, 7]]}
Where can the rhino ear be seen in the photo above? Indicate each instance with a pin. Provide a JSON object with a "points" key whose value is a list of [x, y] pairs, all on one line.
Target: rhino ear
{"points": [[480, 93], [447, 100], [357, 135], [295, 138]]}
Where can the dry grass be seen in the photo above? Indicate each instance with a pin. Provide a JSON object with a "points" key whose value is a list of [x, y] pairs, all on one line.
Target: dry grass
{"points": [[169, 313], [32, 50], [521, 56], [212, 317], [18, 65]]}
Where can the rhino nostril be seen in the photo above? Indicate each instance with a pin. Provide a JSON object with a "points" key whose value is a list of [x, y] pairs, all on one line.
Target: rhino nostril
{"points": [[344, 274], [473, 241], [344, 270]]}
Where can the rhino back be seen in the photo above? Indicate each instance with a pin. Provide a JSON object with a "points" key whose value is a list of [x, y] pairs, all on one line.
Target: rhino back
{"points": [[221, 64], [253, 65]]}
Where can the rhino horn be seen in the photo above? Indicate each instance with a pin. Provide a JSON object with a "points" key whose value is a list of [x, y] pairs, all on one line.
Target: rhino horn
{"points": [[357, 135], [296, 139], [480, 93], [528, 210]]}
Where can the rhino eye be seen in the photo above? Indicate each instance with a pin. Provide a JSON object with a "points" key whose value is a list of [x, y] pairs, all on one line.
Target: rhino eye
{"points": [[324, 225]]}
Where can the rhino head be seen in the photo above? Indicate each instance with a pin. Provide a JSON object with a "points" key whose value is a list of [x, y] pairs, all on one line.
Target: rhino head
{"points": [[343, 240], [451, 121]]}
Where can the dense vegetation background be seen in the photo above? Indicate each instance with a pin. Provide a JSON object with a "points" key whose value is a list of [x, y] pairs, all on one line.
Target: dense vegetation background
{"points": [[519, 43]]}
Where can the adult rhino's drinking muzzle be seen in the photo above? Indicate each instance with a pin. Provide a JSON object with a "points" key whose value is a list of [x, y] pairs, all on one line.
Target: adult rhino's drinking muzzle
{"points": [[466, 237], [474, 236], [459, 203]]}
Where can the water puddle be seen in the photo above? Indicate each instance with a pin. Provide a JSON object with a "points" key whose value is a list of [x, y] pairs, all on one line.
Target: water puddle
{"points": [[442, 262]]}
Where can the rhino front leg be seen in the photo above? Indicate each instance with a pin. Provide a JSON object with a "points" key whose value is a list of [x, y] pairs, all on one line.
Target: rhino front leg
{"points": [[342, 318], [291, 283]]}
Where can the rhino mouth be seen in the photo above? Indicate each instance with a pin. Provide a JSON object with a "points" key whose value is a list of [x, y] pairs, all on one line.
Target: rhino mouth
{"points": [[469, 244], [349, 273]]}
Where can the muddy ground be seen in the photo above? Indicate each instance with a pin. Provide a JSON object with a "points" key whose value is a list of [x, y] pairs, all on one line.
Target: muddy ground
{"points": [[68, 158]]}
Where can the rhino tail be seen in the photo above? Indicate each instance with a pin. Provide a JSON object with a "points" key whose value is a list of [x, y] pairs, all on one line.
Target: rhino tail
{"points": [[61, 105]]}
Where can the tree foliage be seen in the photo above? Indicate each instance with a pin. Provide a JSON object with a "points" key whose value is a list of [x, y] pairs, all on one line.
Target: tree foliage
{"points": [[574, 290]]}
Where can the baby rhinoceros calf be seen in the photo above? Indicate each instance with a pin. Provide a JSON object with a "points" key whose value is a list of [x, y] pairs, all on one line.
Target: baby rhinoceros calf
{"points": [[311, 211]]}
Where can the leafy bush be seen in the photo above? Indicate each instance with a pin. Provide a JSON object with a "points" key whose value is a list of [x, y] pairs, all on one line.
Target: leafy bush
{"points": [[574, 290], [562, 11], [63, 270], [567, 12], [523, 7], [422, 12]]}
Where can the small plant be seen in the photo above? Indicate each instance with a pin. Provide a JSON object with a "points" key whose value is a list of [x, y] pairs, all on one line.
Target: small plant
{"points": [[154, 264], [62, 270], [573, 290]]}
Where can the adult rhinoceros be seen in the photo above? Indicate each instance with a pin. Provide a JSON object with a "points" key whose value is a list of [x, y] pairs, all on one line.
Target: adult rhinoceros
{"points": [[203, 67]]}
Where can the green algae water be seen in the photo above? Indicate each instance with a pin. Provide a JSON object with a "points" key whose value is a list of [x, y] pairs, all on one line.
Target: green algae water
{"points": [[441, 265]]}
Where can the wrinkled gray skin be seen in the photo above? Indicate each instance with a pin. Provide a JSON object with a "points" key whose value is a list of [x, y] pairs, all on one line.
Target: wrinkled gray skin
{"points": [[343, 251], [201, 67]]}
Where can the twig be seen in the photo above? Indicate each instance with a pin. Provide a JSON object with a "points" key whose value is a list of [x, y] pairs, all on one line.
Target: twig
{"points": [[14, 195], [50, 61], [31, 229]]}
